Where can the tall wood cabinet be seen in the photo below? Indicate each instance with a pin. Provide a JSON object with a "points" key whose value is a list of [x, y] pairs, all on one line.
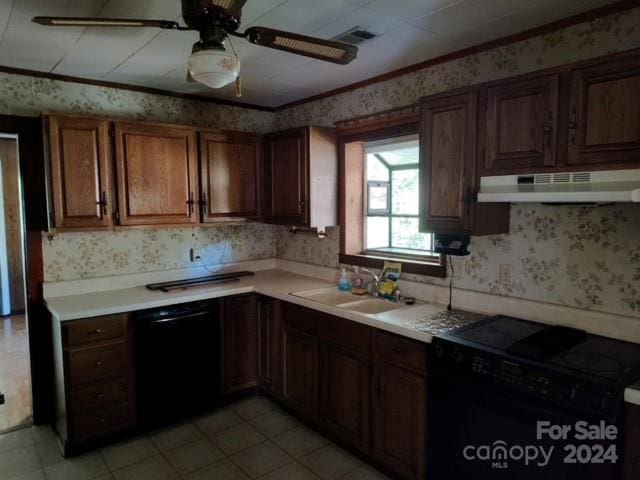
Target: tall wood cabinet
{"points": [[604, 118], [157, 170], [301, 177], [447, 162], [230, 166], [81, 172], [521, 124]]}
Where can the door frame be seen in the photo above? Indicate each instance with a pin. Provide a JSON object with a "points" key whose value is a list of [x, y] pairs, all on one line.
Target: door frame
{"points": [[34, 207]]}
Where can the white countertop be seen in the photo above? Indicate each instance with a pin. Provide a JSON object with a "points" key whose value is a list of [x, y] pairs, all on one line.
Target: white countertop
{"points": [[413, 322], [272, 283]]}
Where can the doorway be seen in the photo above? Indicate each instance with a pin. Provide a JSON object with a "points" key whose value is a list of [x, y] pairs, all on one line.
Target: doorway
{"points": [[16, 406]]}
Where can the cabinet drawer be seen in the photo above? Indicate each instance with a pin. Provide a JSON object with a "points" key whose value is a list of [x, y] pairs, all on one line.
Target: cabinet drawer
{"points": [[347, 333], [401, 351], [92, 330], [91, 398], [97, 363], [301, 318], [103, 421]]}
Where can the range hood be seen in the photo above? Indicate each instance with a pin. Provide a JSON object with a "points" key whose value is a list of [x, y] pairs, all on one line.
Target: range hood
{"points": [[563, 187]]}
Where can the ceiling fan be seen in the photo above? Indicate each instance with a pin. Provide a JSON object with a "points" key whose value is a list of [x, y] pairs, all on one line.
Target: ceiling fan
{"points": [[209, 63]]}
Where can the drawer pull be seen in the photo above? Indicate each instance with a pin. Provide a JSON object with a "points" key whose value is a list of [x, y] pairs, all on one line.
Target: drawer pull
{"points": [[100, 396], [98, 363], [102, 420]]}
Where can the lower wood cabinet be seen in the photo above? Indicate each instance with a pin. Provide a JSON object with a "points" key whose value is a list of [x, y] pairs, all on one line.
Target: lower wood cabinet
{"points": [[300, 371], [345, 393], [398, 412], [94, 378], [239, 343], [269, 327]]}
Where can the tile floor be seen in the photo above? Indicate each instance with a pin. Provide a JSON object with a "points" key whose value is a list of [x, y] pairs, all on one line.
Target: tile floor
{"points": [[252, 438], [15, 373]]}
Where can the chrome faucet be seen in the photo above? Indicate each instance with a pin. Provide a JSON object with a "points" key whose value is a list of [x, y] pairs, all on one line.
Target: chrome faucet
{"points": [[376, 281]]}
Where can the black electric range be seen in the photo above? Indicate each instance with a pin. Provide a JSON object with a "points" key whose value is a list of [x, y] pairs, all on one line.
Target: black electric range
{"points": [[497, 381]]}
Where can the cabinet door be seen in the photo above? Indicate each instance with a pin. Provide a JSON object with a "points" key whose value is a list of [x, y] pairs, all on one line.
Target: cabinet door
{"points": [[81, 168], [399, 420], [300, 371], [447, 166], [286, 172], [521, 124], [605, 114], [345, 395], [239, 343], [229, 168], [269, 333], [157, 174]]}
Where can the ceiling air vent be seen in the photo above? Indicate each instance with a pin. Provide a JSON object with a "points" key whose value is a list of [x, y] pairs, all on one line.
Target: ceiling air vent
{"points": [[354, 36]]}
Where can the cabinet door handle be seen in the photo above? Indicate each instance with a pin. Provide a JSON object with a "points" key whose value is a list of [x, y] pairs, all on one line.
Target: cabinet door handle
{"points": [[203, 204], [103, 203], [573, 126], [302, 203], [190, 203], [548, 133]]}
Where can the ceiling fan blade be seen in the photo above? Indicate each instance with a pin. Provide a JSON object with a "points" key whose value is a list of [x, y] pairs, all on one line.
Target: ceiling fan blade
{"points": [[319, 48], [105, 22]]}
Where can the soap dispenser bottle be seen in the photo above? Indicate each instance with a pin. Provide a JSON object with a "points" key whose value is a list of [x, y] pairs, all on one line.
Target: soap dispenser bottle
{"points": [[344, 284]]}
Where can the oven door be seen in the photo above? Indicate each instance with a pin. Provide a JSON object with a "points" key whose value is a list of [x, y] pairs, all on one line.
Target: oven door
{"points": [[481, 433]]}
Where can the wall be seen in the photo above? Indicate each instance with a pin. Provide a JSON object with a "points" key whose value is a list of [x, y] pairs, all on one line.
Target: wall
{"points": [[82, 255], [582, 257]]}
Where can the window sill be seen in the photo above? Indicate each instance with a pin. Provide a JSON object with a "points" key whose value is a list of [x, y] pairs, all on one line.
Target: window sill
{"points": [[409, 265]]}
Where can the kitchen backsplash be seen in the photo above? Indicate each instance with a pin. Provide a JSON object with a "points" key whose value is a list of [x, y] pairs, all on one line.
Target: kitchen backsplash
{"points": [[575, 256], [76, 255]]}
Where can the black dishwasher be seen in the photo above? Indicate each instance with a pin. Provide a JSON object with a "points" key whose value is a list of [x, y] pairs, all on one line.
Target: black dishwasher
{"points": [[177, 361]]}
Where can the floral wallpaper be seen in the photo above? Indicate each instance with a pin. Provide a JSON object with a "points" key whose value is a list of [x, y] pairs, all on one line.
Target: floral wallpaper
{"points": [[31, 96], [580, 257], [584, 257], [609, 34], [69, 256], [82, 255]]}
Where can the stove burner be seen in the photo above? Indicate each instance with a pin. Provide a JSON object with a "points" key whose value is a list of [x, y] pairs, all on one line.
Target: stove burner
{"points": [[592, 362]]}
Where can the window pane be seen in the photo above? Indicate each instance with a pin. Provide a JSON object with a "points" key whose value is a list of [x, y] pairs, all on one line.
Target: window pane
{"points": [[378, 198], [377, 232], [376, 170], [401, 156], [405, 234], [405, 192]]}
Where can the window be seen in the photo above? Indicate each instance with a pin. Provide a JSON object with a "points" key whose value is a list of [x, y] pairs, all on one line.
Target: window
{"points": [[380, 198], [392, 196]]}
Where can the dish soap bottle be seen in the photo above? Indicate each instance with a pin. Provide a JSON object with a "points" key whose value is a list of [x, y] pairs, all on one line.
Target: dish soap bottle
{"points": [[344, 284], [356, 279]]}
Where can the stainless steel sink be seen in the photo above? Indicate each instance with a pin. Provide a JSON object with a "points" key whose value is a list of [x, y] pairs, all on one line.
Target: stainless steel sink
{"points": [[364, 304]]}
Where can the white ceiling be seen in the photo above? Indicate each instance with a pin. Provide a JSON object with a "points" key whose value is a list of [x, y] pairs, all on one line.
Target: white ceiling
{"points": [[410, 31]]}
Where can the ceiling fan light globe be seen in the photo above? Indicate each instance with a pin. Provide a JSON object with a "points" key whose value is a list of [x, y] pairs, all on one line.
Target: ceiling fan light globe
{"points": [[214, 68]]}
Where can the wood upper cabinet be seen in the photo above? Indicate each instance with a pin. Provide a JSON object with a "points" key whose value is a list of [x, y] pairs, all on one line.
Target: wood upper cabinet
{"points": [[287, 177], [604, 117], [447, 163], [301, 177], [230, 173], [239, 343], [157, 174], [520, 127], [81, 172], [398, 413]]}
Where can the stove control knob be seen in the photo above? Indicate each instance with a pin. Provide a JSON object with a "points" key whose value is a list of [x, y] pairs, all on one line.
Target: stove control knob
{"points": [[571, 392]]}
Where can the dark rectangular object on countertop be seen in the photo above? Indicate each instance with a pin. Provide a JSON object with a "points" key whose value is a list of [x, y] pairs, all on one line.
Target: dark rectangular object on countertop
{"points": [[199, 281]]}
